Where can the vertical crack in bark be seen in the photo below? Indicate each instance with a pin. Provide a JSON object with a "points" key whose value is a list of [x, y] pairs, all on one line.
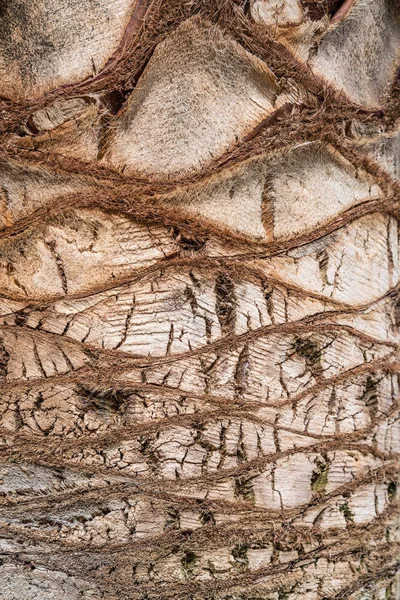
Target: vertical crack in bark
{"points": [[274, 490], [191, 298], [323, 263], [241, 450], [267, 292], [276, 434], [4, 358], [242, 371], [307, 349], [319, 477], [370, 397], [59, 264], [244, 489], [225, 303], [38, 361], [170, 339], [66, 358], [127, 323], [391, 265]]}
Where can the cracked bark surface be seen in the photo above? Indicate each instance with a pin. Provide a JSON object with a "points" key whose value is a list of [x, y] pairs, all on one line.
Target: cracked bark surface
{"points": [[199, 300]]}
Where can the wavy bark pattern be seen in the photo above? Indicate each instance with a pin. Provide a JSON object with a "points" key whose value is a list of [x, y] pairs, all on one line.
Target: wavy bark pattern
{"points": [[199, 300]]}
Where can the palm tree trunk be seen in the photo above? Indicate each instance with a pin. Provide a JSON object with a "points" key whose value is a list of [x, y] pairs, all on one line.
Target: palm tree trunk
{"points": [[199, 310]]}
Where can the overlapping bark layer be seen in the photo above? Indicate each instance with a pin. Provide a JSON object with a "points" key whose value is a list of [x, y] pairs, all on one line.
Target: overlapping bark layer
{"points": [[199, 300]]}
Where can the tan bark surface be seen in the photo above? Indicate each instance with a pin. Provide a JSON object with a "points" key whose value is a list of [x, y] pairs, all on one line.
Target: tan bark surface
{"points": [[199, 300]]}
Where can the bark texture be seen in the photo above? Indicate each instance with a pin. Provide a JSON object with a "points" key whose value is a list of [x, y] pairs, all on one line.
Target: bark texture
{"points": [[199, 300]]}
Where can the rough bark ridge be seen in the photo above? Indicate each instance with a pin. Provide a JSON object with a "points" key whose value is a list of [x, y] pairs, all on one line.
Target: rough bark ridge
{"points": [[199, 299]]}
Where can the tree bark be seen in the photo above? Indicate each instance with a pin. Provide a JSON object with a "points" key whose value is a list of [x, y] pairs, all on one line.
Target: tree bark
{"points": [[199, 300]]}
